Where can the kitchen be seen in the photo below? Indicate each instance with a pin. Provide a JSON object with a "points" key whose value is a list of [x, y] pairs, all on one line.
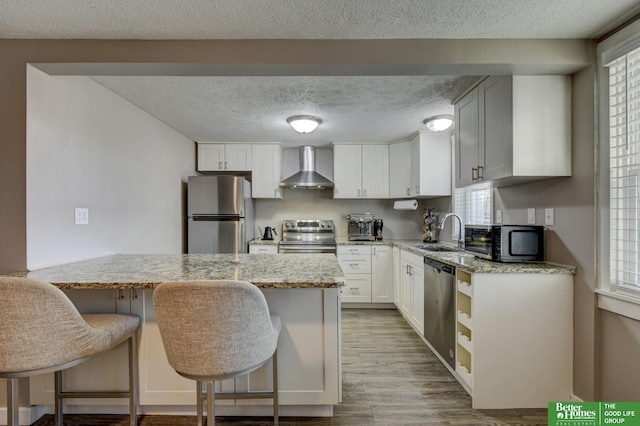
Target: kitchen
{"points": [[94, 163]]}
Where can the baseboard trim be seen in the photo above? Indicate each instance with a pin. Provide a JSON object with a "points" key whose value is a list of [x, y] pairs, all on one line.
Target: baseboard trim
{"points": [[576, 399], [27, 416]]}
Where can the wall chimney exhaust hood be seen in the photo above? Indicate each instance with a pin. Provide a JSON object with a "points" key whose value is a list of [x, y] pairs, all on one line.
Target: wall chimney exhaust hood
{"points": [[307, 177]]}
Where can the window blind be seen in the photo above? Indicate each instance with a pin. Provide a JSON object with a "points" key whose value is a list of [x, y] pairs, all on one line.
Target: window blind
{"points": [[473, 205], [624, 169]]}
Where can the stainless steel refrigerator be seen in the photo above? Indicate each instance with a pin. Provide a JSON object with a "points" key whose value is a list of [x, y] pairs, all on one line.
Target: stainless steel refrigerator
{"points": [[219, 214]]}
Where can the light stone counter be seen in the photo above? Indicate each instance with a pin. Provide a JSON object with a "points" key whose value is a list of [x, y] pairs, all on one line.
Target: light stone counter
{"points": [[140, 271], [302, 289], [261, 242], [468, 262]]}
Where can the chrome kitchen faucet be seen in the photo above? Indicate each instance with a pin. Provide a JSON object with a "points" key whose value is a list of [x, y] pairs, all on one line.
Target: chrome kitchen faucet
{"points": [[461, 234]]}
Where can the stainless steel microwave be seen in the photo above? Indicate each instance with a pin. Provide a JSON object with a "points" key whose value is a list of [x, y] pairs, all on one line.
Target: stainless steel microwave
{"points": [[505, 243]]}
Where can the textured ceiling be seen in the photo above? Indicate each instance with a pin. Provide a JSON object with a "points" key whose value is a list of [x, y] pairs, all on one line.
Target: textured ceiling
{"points": [[353, 108], [246, 109], [308, 19]]}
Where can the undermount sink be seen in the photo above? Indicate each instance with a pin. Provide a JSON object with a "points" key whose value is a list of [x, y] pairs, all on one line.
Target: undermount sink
{"points": [[435, 248]]}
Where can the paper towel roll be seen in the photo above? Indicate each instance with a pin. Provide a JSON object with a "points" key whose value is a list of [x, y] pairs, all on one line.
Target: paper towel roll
{"points": [[405, 205]]}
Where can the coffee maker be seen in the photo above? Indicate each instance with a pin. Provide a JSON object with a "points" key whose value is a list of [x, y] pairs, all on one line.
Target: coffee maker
{"points": [[377, 229], [361, 227]]}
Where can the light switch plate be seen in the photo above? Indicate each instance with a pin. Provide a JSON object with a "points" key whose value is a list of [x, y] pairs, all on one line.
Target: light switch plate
{"points": [[531, 216], [498, 216], [549, 217], [82, 216]]}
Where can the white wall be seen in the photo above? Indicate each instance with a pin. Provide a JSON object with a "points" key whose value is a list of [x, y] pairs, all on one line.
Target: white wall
{"points": [[87, 147]]}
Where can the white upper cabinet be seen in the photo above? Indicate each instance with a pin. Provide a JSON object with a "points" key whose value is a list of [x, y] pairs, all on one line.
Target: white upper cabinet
{"points": [[431, 164], [400, 169], [215, 157], [360, 171], [266, 170], [421, 167], [513, 129]]}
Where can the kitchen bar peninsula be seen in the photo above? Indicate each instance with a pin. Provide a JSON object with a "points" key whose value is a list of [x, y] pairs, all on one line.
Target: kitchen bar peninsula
{"points": [[303, 289]]}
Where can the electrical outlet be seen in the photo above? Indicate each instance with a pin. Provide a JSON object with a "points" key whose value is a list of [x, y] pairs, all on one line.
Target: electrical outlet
{"points": [[498, 216], [82, 216], [549, 217], [531, 216]]}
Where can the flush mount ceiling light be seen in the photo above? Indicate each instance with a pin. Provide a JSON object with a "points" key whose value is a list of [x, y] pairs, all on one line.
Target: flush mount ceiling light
{"points": [[304, 123], [439, 123]]}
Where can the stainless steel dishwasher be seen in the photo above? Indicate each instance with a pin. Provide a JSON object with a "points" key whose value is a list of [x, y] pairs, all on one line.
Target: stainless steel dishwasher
{"points": [[439, 308]]}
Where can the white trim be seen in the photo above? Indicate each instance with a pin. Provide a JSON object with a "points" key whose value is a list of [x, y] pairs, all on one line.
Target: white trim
{"points": [[619, 304], [27, 416], [611, 48], [620, 43]]}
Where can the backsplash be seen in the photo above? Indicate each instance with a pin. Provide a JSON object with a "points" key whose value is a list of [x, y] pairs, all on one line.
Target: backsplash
{"points": [[312, 204]]}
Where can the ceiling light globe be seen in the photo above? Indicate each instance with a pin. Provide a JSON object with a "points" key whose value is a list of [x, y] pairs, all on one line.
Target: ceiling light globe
{"points": [[304, 123], [439, 123]]}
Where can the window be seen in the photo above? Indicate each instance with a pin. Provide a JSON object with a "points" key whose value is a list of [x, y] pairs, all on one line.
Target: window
{"points": [[474, 205], [624, 172]]}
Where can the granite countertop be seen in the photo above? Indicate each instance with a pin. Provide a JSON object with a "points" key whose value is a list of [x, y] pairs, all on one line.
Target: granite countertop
{"points": [[148, 270], [261, 242], [468, 262]]}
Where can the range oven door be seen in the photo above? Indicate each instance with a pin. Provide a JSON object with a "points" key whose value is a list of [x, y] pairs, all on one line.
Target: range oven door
{"points": [[306, 248]]}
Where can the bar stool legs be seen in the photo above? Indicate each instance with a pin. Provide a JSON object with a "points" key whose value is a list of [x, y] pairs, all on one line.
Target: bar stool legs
{"points": [[13, 408]]}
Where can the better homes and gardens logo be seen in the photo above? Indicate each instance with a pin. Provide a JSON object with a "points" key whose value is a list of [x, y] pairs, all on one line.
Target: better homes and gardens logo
{"points": [[593, 413]]}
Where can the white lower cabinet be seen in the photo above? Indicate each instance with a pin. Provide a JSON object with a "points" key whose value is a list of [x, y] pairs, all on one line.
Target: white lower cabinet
{"points": [[514, 338], [263, 249], [412, 289], [397, 277], [381, 274], [369, 273], [355, 261]]}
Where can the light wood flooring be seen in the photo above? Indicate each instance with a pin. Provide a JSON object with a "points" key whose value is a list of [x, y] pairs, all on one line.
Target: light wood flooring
{"points": [[390, 377]]}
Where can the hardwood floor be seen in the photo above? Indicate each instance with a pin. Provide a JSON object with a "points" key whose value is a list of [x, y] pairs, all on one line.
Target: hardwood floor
{"points": [[390, 377]]}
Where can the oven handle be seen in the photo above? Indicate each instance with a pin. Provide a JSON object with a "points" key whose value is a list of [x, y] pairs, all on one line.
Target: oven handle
{"points": [[302, 248]]}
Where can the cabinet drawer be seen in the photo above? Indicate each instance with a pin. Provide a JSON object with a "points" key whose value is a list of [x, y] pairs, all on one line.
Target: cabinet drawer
{"points": [[357, 289], [355, 264], [353, 249], [262, 249]]}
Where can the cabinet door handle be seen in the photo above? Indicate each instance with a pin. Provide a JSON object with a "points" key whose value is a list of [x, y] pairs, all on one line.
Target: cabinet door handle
{"points": [[354, 266], [374, 251], [474, 173], [220, 165], [358, 192], [134, 294], [480, 173], [408, 191], [364, 193], [120, 294], [226, 165]]}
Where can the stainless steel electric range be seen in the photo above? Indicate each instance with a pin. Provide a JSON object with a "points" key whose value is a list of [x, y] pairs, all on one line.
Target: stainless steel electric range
{"points": [[307, 236]]}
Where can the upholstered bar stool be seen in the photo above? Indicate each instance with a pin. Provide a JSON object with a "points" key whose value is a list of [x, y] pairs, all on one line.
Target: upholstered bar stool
{"points": [[41, 331], [217, 330]]}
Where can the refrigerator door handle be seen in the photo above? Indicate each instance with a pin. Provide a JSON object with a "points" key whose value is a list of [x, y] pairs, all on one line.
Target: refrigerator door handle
{"points": [[214, 218]]}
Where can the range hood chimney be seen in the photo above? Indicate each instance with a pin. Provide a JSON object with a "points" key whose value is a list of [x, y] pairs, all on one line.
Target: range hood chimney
{"points": [[307, 177]]}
